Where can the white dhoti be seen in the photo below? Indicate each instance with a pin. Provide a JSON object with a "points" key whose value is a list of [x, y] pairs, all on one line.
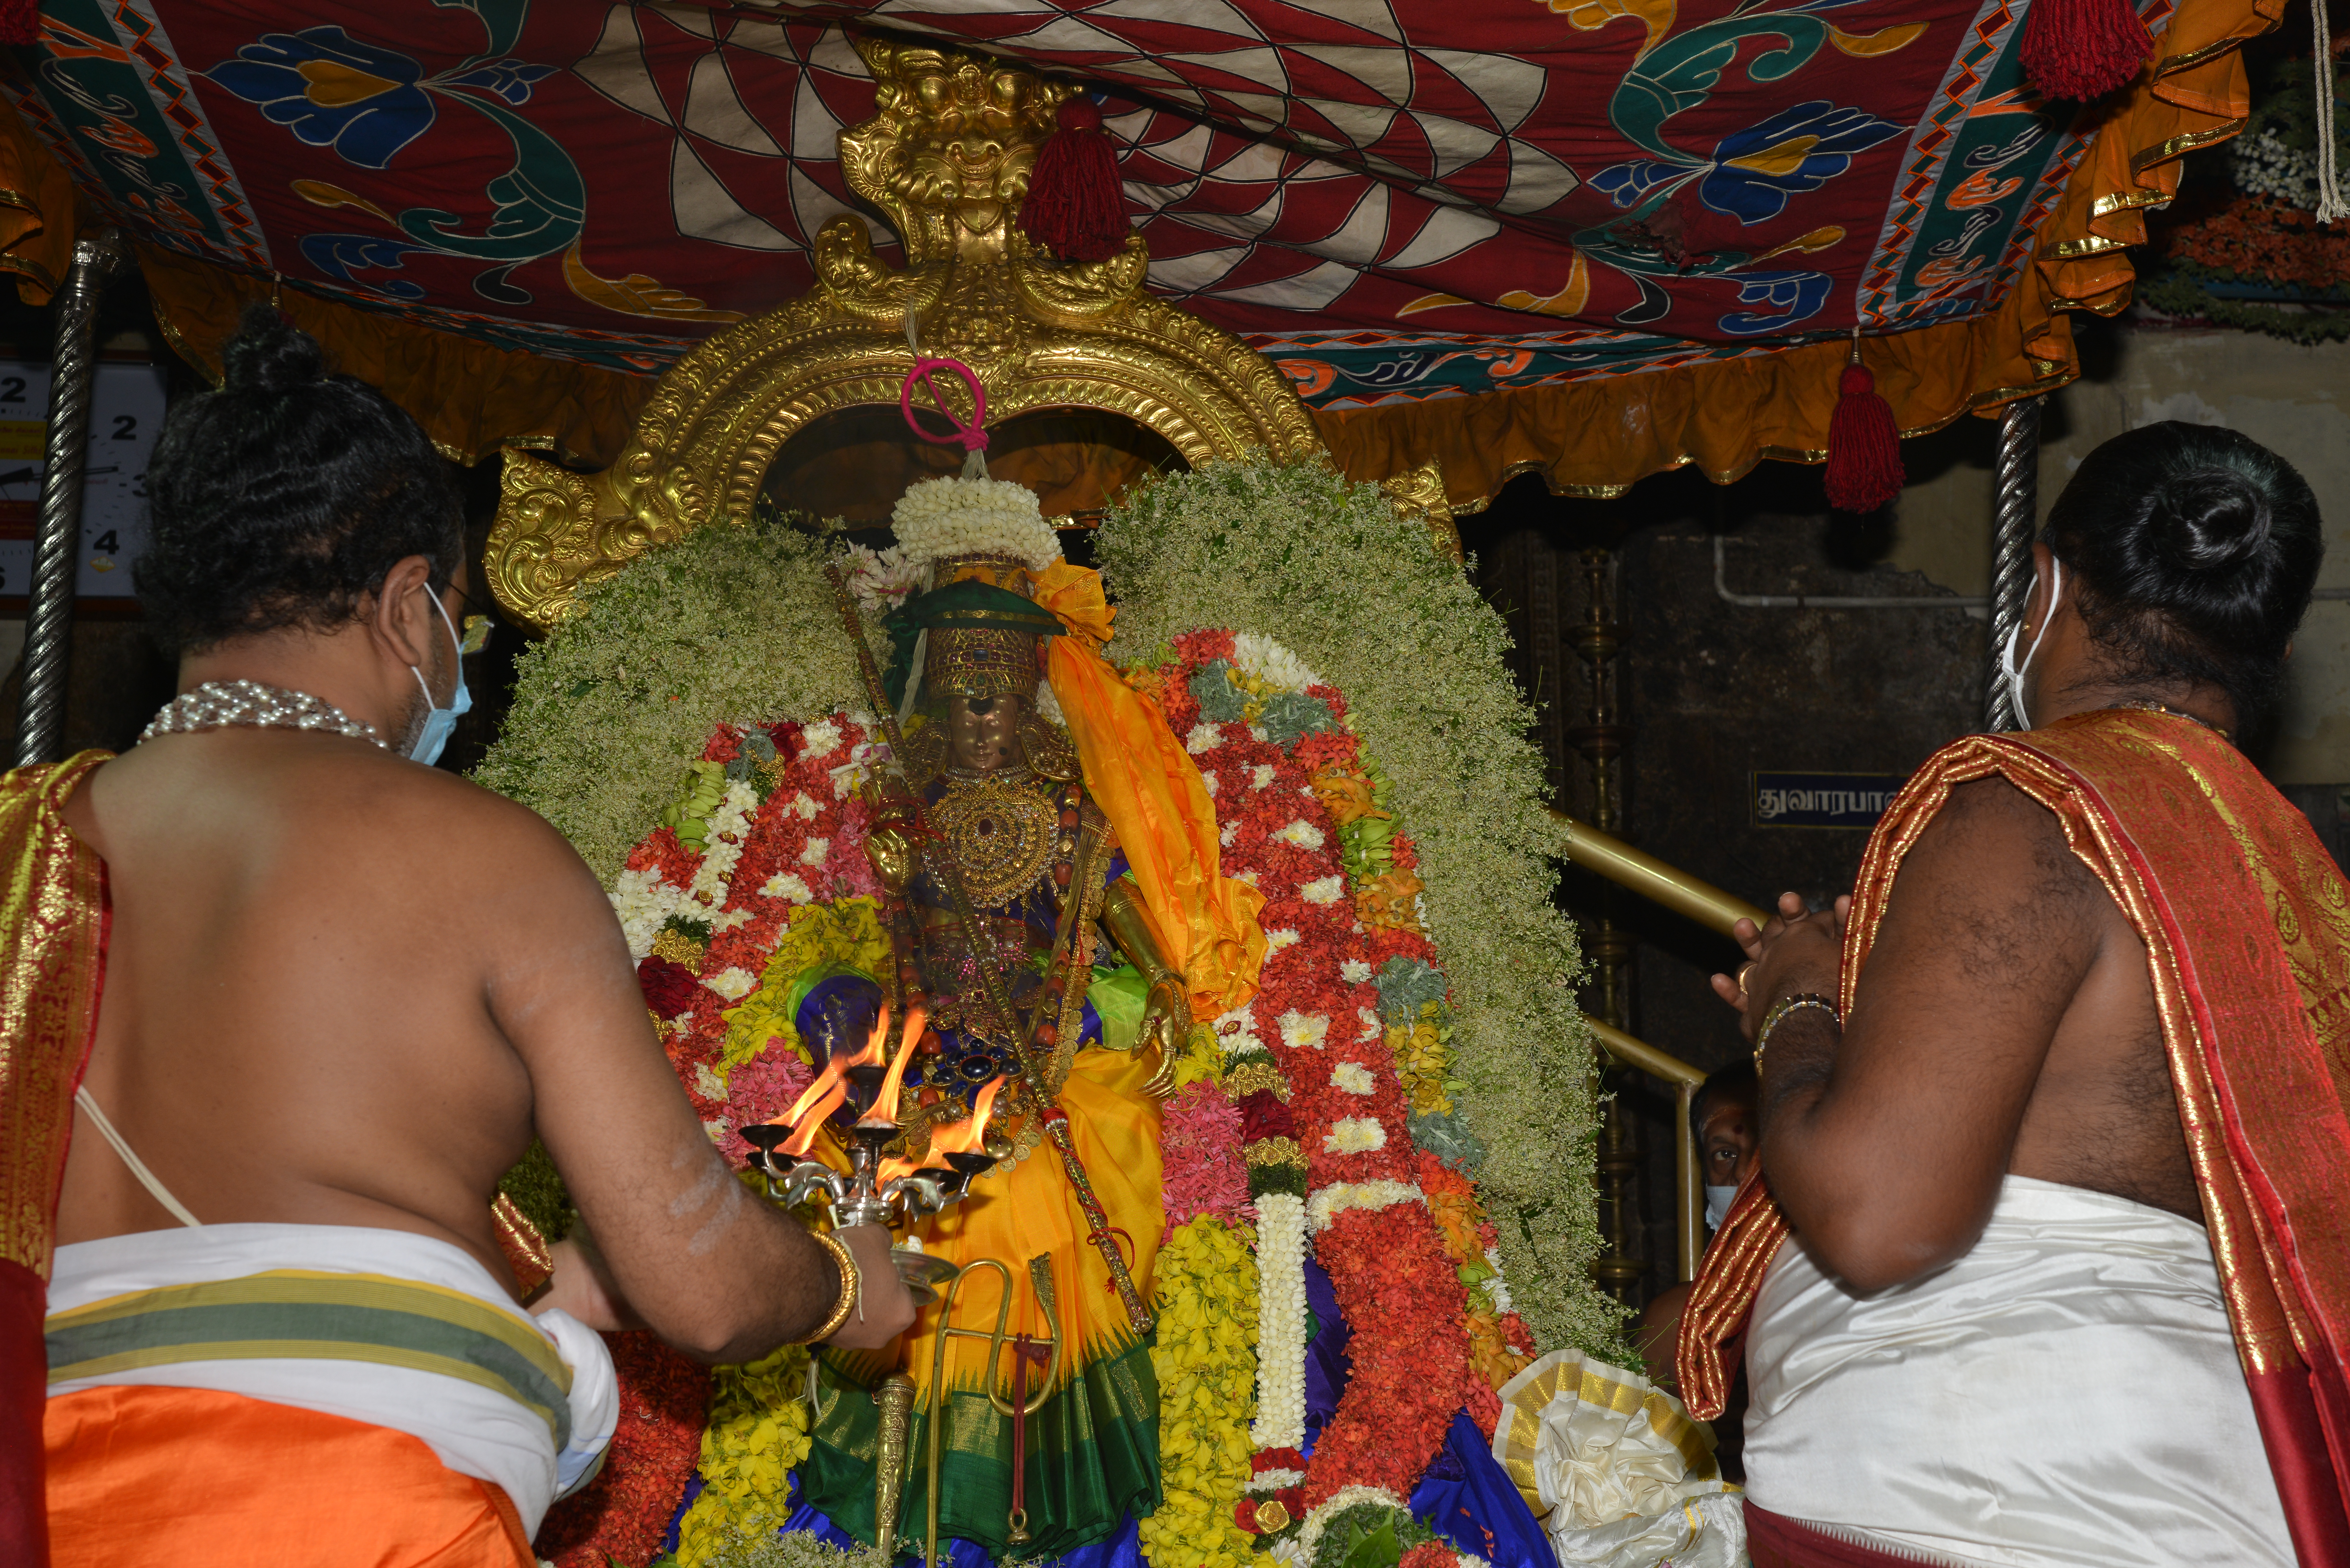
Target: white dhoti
{"points": [[385, 1327], [2066, 1394]]}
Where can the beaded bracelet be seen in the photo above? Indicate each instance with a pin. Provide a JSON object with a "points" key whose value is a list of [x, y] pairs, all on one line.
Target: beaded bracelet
{"points": [[848, 1303], [1784, 1006]]}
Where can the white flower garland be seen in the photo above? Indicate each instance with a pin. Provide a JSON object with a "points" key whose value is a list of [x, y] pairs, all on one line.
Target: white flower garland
{"points": [[1281, 1322], [938, 518], [1267, 662], [644, 904], [1328, 1202]]}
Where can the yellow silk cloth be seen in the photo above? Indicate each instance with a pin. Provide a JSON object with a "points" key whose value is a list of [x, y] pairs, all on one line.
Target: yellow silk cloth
{"points": [[52, 928], [1019, 1211], [1151, 789], [2246, 922]]}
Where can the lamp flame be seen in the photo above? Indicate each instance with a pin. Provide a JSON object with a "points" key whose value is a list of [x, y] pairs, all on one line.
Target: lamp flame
{"points": [[968, 1137], [824, 1096], [885, 1104]]}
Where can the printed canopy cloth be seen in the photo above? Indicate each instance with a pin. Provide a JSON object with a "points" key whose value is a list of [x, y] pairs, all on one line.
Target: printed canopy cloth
{"points": [[1401, 203]]}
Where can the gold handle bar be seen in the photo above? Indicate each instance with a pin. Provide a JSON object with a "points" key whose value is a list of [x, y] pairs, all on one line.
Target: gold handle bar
{"points": [[1689, 1194], [1650, 877]]}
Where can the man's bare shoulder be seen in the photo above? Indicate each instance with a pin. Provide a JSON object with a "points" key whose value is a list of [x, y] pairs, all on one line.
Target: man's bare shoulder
{"points": [[2003, 830], [340, 798]]}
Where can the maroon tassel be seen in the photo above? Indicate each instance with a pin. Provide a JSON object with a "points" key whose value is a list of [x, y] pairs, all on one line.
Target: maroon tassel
{"points": [[2083, 49], [1864, 470], [20, 21], [1075, 205]]}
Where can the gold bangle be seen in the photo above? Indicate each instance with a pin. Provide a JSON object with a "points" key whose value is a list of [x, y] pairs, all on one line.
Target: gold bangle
{"points": [[848, 1303], [1784, 1006]]}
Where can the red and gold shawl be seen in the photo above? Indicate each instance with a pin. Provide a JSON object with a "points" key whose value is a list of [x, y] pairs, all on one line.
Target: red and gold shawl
{"points": [[52, 928], [2246, 922]]}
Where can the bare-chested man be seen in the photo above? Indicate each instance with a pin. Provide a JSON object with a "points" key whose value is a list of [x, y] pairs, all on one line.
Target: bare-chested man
{"points": [[338, 993], [2086, 1002]]}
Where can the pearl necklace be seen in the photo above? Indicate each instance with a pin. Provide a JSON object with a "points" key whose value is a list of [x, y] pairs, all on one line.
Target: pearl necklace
{"points": [[218, 704]]}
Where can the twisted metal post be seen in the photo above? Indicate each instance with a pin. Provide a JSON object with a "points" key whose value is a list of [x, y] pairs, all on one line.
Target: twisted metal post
{"points": [[48, 629], [2017, 517]]}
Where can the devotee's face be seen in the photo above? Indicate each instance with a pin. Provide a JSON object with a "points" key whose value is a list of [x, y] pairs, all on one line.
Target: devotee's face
{"points": [[980, 731], [1728, 1142]]}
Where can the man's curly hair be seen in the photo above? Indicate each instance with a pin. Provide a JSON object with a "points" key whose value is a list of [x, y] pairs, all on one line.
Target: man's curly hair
{"points": [[284, 498]]}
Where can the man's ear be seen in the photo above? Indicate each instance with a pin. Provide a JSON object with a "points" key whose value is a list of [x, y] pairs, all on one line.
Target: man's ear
{"points": [[399, 620]]}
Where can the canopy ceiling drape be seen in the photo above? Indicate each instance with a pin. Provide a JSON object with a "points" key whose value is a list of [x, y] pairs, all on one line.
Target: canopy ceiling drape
{"points": [[1595, 238]]}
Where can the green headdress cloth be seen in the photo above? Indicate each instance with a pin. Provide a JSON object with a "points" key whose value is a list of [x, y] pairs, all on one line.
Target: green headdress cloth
{"points": [[967, 606]]}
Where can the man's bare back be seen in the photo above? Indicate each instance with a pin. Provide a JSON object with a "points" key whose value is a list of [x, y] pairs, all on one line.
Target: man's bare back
{"points": [[307, 932], [2005, 1024]]}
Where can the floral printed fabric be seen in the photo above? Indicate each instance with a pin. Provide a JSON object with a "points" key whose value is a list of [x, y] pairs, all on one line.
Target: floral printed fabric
{"points": [[1396, 199]]}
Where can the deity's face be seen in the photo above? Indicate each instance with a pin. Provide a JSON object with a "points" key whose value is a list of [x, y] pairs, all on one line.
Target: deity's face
{"points": [[983, 733]]}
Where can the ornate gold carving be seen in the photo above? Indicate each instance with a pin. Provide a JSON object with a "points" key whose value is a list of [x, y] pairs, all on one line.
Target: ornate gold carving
{"points": [[946, 157], [1420, 492]]}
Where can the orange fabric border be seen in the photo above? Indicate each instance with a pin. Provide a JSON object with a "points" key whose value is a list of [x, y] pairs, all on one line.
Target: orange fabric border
{"points": [[53, 929], [470, 399], [38, 212]]}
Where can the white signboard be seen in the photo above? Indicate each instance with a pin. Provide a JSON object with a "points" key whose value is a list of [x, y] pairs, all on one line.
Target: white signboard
{"points": [[126, 415]]}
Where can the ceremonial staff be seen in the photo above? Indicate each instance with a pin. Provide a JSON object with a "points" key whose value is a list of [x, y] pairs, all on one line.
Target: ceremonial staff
{"points": [[1056, 1120]]}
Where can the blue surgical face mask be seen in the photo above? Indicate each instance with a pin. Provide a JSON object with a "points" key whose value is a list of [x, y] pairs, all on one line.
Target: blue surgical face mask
{"points": [[1718, 1201], [441, 722]]}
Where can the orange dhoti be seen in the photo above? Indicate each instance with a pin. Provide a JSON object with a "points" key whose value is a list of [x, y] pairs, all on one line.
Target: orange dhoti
{"points": [[198, 1478]]}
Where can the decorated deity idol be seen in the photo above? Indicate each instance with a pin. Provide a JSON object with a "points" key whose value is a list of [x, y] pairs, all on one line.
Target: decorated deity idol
{"points": [[1047, 856]]}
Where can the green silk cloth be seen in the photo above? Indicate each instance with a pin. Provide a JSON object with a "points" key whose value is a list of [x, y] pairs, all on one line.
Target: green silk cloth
{"points": [[1092, 1448]]}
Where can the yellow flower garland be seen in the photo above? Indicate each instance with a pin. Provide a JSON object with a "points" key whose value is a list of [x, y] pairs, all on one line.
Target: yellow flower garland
{"points": [[1205, 1357], [758, 1432]]}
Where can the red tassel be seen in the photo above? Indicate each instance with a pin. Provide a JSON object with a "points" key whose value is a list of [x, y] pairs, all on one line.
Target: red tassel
{"points": [[1864, 470], [20, 21], [2083, 49], [1075, 205]]}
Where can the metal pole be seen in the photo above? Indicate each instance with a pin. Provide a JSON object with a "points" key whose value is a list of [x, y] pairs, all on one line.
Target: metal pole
{"points": [[2017, 519], [48, 629]]}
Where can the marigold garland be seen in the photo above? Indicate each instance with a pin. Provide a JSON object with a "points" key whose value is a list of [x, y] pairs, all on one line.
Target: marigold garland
{"points": [[1205, 1361], [758, 1433]]}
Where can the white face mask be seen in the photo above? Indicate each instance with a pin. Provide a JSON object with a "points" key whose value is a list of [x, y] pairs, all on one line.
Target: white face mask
{"points": [[2008, 670], [1718, 1201]]}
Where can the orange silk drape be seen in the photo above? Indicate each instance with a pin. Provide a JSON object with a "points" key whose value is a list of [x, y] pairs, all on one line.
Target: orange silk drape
{"points": [[2246, 922], [1151, 790]]}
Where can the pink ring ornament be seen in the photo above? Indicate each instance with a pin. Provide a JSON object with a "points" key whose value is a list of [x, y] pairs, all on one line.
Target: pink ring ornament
{"points": [[971, 437]]}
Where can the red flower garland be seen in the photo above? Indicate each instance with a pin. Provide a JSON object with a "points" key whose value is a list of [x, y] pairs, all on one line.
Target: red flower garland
{"points": [[625, 1511], [1401, 1294]]}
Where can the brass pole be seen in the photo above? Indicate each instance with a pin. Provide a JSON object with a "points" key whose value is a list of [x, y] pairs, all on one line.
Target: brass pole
{"points": [[1688, 1176], [1598, 641], [1644, 874]]}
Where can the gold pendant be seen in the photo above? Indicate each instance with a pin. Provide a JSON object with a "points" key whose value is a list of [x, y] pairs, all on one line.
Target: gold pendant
{"points": [[1000, 834]]}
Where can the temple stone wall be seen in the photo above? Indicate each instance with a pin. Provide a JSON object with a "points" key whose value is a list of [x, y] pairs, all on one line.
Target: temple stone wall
{"points": [[2292, 398]]}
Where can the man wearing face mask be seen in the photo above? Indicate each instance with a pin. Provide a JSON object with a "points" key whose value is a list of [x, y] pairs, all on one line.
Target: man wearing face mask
{"points": [[2047, 1268], [283, 1002]]}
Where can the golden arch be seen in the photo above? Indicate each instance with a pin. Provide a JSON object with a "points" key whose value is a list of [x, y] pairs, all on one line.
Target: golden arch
{"points": [[946, 157]]}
